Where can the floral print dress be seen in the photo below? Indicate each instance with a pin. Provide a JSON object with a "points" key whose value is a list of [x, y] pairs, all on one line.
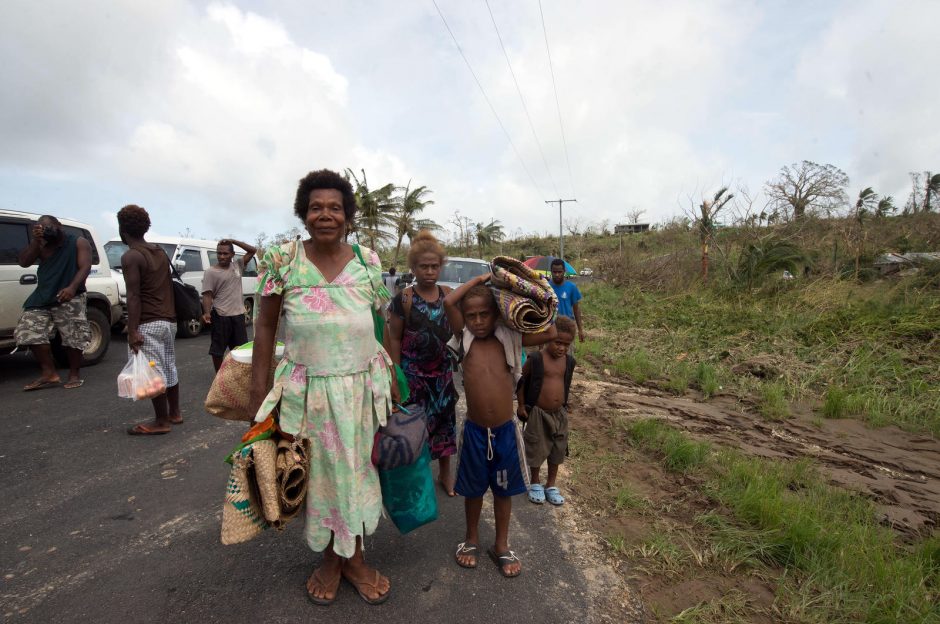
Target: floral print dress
{"points": [[332, 386]]}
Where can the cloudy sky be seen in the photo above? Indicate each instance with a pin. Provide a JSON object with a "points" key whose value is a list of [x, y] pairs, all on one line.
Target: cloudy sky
{"points": [[207, 113]]}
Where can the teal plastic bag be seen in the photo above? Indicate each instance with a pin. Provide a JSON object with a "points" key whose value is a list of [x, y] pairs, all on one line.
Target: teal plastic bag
{"points": [[408, 494]]}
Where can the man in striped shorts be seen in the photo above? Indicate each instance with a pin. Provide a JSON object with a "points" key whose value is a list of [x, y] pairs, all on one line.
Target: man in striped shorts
{"points": [[151, 315]]}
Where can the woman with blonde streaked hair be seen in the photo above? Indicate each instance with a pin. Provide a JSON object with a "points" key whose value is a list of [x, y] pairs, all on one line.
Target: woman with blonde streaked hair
{"points": [[417, 341]]}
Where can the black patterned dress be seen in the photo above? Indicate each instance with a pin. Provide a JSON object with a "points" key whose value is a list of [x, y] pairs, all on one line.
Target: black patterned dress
{"points": [[425, 362]]}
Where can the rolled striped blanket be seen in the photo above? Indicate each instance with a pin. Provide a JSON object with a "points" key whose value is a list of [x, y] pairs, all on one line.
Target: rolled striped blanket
{"points": [[524, 297]]}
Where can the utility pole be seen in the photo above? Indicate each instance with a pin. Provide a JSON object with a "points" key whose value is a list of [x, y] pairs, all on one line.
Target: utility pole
{"points": [[561, 236]]}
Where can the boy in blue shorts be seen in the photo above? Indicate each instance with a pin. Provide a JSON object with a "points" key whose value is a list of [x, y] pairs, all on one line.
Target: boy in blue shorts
{"points": [[490, 449]]}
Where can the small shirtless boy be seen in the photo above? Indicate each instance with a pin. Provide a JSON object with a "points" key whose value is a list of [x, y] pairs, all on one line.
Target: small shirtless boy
{"points": [[543, 406], [490, 454]]}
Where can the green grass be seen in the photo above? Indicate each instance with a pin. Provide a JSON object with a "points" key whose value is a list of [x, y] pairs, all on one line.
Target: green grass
{"points": [[626, 498], [680, 453], [637, 365], [834, 405], [841, 564], [862, 351], [773, 401], [680, 376], [706, 378]]}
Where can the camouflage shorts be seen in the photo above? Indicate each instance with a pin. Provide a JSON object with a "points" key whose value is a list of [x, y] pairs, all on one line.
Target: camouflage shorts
{"points": [[37, 325]]}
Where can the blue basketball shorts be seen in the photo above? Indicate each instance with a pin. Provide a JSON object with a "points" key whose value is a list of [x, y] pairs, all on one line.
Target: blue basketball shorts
{"points": [[491, 458]]}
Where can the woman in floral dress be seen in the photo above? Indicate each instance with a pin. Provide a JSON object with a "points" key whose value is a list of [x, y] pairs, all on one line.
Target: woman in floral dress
{"points": [[417, 341], [333, 384]]}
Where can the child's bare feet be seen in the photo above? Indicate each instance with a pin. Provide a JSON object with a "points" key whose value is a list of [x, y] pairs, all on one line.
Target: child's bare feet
{"points": [[371, 586], [466, 555]]}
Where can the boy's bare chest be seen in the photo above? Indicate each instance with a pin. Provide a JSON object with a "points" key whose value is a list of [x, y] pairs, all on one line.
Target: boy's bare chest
{"points": [[486, 356]]}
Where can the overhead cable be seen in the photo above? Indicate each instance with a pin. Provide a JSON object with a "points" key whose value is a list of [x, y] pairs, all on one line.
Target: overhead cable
{"points": [[490, 104], [521, 99], [564, 142]]}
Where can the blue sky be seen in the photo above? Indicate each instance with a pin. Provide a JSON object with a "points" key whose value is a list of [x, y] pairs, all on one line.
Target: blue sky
{"points": [[207, 113]]}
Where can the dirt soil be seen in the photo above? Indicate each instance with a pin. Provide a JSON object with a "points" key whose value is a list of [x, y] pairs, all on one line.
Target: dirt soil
{"points": [[897, 470]]}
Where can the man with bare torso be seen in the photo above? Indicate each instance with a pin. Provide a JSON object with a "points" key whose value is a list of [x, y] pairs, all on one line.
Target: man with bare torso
{"points": [[490, 441]]}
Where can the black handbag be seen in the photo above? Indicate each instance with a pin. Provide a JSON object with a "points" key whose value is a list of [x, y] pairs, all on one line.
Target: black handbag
{"points": [[186, 298]]}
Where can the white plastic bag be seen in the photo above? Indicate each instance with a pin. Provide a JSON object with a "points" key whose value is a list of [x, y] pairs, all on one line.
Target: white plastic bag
{"points": [[139, 379]]}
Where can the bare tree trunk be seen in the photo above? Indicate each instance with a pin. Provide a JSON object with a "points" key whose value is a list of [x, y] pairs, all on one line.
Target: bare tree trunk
{"points": [[704, 262]]}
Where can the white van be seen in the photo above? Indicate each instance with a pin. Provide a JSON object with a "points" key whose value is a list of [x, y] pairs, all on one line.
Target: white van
{"points": [[17, 283], [191, 257]]}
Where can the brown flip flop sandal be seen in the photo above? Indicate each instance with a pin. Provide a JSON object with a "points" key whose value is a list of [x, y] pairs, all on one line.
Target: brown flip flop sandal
{"points": [[71, 385], [504, 559], [358, 585], [331, 586], [39, 384], [144, 429]]}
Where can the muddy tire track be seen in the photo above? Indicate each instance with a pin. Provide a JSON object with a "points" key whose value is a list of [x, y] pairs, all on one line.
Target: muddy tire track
{"points": [[899, 471]]}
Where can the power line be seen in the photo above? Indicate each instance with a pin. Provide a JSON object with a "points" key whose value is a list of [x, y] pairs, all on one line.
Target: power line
{"points": [[485, 97], [564, 142], [521, 99]]}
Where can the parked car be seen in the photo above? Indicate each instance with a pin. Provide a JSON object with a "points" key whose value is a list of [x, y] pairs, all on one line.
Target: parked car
{"points": [[191, 257], [17, 283], [587, 272], [456, 271]]}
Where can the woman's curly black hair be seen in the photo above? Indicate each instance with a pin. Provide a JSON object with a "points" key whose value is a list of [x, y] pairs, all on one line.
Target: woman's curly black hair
{"points": [[133, 220], [324, 179]]}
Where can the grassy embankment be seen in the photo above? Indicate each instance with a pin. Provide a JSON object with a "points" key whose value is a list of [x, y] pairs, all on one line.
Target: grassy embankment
{"points": [[833, 343], [819, 548]]}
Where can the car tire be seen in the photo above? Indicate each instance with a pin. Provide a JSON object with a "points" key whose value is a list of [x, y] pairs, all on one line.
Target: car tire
{"points": [[97, 348], [189, 328], [249, 310]]}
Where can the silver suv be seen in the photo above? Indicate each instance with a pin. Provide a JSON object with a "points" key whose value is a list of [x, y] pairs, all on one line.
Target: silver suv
{"points": [[16, 284]]}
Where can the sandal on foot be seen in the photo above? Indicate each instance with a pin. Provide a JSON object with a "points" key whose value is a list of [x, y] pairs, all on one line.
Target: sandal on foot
{"points": [[75, 383], [145, 429], [466, 549], [328, 586], [359, 585], [553, 495], [536, 493], [504, 559], [41, 384]]}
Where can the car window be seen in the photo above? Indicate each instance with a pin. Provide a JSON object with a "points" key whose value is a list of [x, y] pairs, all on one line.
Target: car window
{"points": [[114, 251], [193, 260], [213, 258], [78, 232], [251, 269], [169, 249], [14, 237], [461, 271]]}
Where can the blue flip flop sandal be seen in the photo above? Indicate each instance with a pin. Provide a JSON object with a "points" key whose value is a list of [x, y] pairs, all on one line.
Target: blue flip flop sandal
{"points": [[553, 495], [536, 493]]}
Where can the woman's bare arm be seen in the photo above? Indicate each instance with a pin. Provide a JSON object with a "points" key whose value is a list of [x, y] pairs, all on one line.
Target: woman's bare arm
{"points": [[265, 334]]}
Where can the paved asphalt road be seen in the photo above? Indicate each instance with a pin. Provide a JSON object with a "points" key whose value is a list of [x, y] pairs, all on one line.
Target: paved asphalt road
{"points": [[98, 526]]}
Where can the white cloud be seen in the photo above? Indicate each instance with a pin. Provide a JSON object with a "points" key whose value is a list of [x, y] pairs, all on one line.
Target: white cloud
{"points": [[210, 114]]}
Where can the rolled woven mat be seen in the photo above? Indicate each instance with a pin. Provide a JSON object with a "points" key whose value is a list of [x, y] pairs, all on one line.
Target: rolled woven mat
{"points": [[241, 514], [524, 297], [291, 470], [264, 454]]}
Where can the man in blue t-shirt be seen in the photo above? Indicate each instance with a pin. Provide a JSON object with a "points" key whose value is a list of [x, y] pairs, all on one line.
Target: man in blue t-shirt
{"points": [[568, 295]]}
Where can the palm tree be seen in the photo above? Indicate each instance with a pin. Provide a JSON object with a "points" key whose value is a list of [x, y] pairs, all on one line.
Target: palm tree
{"points": [[866, 198], [375, 209], [932, 187], [765, 256], [406, 220], [488, 234], [706, 223], [885, 207]]}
